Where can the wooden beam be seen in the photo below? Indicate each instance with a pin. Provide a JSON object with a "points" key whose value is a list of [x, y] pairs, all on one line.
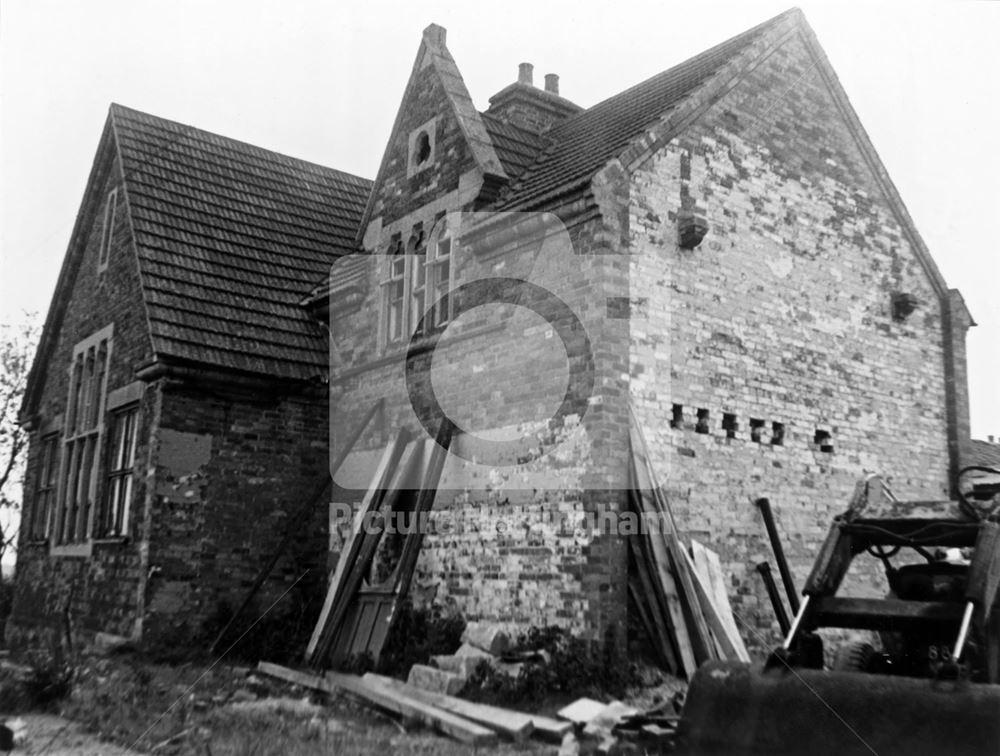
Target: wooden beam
{"points": [[729, 647], [305, 679], [386, 698], [663, 575], [699, 638], [512, 724], [400, 703], [320, 640], [656, 605], [708, 567]]}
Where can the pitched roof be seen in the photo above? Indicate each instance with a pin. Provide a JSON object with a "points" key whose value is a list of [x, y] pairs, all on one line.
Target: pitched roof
{"points": [[983, 453], [516, 147], [229, 237], [585, 142]]}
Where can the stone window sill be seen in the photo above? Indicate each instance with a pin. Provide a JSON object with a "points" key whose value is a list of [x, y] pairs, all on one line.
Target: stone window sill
{"points": [[111, 541], [71, 550]]}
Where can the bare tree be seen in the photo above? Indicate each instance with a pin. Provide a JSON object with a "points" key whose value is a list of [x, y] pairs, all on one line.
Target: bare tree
{"points": [[17, 347]]}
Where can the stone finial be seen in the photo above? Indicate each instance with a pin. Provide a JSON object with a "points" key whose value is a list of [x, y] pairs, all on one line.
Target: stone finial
{"points": [[436, 35], [552, 83], [525, 73]]}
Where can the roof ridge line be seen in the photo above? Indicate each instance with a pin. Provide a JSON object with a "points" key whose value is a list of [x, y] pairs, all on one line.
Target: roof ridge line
{"points": [[117, 109]]}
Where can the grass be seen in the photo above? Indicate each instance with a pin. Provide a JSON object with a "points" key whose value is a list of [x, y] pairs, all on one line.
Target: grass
{"points": [[188, 709]]}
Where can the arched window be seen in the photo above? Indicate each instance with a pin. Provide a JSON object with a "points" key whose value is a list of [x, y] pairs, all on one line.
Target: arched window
{"points": [[439, 275], [422, 277]]}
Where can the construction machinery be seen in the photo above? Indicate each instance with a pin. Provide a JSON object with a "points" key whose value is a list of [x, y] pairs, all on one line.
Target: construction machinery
{"points": [[924, 676]]}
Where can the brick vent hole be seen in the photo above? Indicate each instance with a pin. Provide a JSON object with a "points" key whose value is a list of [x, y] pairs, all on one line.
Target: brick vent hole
{"points": [[702, 425], [729, 424], [777, 434], [823, 440], [677, 416]]}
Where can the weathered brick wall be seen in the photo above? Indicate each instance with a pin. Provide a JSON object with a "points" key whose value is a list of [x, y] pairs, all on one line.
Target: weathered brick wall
{"points": [[512, 549], [781, 315], [99, 592], [229, 471]]}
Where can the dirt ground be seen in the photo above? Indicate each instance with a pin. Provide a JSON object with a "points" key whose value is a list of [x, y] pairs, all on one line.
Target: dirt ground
{"points": [[52, 735], [124, 704]]}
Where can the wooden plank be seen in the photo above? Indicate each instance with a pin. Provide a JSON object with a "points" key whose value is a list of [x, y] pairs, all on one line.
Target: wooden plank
{"points": [[661, 572], [709, 568], [701, 637], [400, 703], [515, 725], [305, 679], [376, 618], [656, 606], [728, 647], [349, 553], [384, 697], [635, 593], [433, 457]]}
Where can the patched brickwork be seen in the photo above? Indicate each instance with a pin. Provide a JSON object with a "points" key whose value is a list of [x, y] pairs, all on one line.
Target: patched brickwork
{"points": [[782, 315], [512, 544], [229, 471]]}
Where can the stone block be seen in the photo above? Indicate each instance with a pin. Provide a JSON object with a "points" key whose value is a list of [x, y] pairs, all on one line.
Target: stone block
{"points": [[487, 637], [435, 680], [108, 643], [463, 666]]}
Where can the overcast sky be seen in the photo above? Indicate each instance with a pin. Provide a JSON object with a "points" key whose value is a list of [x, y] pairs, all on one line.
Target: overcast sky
{"points": [[322, 81]]}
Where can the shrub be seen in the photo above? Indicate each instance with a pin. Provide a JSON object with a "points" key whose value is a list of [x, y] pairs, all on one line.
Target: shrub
{"points": [[419, 634], [49, 680], [569, 667]]}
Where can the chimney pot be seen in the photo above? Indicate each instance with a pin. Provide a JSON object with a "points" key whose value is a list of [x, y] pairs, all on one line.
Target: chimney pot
{"points": [[525, 73], [552, 83], [990, 438]]}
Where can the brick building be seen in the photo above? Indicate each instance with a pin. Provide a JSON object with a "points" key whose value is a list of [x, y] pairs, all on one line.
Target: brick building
{"points": [[177, 402], [718, 247]]}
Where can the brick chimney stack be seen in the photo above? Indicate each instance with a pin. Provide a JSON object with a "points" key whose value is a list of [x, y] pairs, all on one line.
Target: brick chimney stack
{"points": [[528, 107]]}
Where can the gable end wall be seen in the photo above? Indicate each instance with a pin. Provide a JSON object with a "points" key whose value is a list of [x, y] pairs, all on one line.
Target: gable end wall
{"points": [[100, 592], [782, 314]]}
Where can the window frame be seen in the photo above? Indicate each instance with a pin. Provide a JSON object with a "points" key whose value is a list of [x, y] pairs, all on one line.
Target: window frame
{"points": [[107, 230], [118, 473], [83, 433], [46, 486], [411, 284]]}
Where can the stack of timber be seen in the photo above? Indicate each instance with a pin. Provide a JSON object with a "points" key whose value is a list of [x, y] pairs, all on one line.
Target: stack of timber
{"points": [[358, 613], [466, 721], [681, 601]]}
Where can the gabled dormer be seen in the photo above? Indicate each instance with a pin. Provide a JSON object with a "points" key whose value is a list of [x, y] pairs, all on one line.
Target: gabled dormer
{"points": [[439, 157]]}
